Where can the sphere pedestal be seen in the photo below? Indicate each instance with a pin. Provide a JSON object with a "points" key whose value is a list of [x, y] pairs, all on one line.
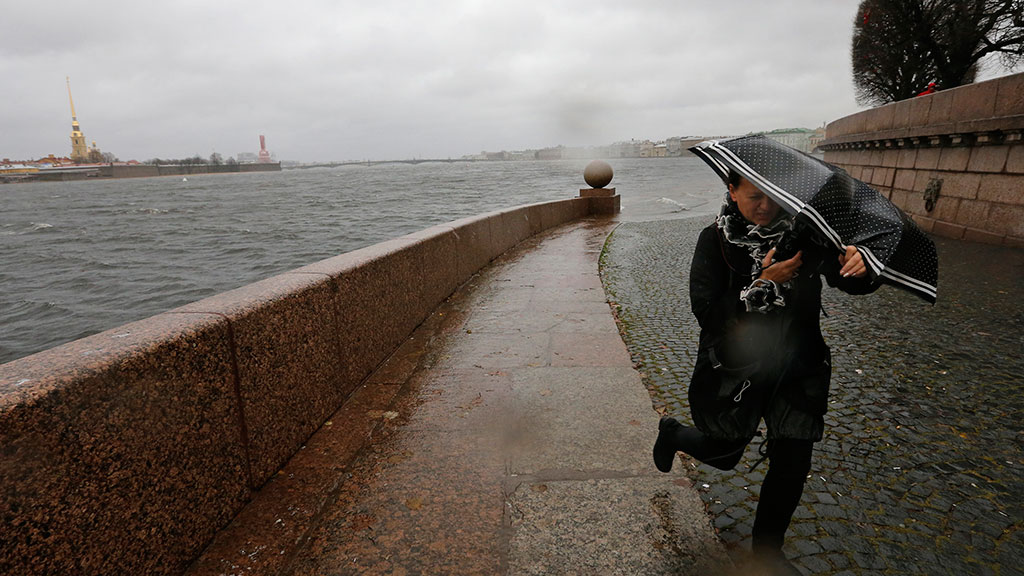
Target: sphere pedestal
{"points": [[602, 200]]}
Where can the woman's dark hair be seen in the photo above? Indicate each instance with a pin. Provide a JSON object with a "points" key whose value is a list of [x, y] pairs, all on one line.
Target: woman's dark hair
{"points": [[733, 179]]}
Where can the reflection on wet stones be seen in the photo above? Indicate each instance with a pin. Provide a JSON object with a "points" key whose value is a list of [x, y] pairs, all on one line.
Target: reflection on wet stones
{"points": [[922, 466]]}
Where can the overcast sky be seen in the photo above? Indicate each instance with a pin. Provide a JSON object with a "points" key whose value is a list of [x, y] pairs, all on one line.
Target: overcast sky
{"points": [[381, 79]]}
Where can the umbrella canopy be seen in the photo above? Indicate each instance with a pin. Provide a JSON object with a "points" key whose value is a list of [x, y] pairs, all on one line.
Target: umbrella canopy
{"points": [[842, 209]]}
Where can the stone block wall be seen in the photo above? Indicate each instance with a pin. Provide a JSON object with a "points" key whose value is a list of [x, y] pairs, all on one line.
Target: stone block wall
{"points": [[148, 171], [125, 452], [961, 147]]}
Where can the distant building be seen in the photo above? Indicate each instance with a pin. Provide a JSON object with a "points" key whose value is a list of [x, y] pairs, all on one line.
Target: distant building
{"points": [[9, 168], [522, 155], [799, 138], [674, 146], [52, 160], [550, 154], [246, 158], [263, 157], [817, 138], [79, 151]]}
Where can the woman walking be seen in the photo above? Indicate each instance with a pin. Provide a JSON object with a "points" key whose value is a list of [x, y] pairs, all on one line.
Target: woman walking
{"points": [[761, 353]]}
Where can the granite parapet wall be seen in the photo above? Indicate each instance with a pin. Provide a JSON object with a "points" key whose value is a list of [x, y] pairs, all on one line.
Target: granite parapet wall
{"points": [[954, 160], [124, 452]]}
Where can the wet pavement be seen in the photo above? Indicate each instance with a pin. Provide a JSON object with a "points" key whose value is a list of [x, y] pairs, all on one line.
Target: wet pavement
{"points": [[921, 470], [510, 434]]}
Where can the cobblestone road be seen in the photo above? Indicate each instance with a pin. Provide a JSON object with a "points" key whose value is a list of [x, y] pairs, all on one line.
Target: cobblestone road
{"points": [[921, 470]]}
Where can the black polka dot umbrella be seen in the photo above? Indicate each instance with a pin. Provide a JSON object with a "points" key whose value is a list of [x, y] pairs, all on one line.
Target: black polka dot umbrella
{"points": [[844, 210]]}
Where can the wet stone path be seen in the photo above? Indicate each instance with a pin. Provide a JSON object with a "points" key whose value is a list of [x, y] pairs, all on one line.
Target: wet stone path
{"points": [[921, 470]]}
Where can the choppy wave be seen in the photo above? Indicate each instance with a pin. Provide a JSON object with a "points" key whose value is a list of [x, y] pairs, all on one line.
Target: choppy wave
{"points": [[676, 206], [90, 255]]}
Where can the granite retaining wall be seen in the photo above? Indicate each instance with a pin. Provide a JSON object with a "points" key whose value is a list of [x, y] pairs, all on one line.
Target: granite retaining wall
{"points": [[125, 452], [954, 160], [148, 170]]}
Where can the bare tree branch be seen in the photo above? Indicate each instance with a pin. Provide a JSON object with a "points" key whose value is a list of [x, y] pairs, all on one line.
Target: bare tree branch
{"points": [[899, 46]]}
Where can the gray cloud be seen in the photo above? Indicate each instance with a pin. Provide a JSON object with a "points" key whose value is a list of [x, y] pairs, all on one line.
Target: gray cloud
{"points": [[352, 80]]}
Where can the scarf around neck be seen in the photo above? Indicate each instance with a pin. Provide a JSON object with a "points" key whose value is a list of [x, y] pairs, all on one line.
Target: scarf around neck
{"points": [[758, 240]]}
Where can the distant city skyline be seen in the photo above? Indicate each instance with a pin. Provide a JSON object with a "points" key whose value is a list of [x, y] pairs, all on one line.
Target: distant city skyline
{"points": [[332, 81], [605, 150]]}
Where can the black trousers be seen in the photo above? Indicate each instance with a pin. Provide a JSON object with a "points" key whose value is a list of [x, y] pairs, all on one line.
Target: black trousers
{"points": [[789, 462]]}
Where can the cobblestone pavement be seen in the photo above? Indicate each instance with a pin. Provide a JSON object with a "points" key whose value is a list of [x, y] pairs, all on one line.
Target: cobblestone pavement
{"points": [[921, 470]]}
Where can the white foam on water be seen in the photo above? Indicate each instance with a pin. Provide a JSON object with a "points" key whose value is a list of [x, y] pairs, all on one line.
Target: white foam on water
{"points": [[678, 207]]}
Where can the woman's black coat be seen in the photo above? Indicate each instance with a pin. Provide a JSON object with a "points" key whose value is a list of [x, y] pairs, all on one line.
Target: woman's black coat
{"points": [[782, 352]]}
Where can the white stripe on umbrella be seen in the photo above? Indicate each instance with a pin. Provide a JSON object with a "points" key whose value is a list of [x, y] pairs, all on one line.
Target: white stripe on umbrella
{"points": [[717, 166], [799, 206], [896, 276], [794, 203]]}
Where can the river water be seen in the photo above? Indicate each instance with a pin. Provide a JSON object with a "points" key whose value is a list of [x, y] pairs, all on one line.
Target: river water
{"points": [[77, 258]]}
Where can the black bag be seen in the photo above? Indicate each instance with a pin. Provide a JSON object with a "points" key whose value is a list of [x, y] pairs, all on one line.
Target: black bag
{"points": [[727, 402]]}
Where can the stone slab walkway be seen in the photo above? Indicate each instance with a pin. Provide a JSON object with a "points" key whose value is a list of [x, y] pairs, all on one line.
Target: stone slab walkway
{"points": [[509, 435]]}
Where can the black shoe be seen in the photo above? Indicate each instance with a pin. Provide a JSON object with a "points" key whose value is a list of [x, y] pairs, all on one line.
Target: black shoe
{"points": [[664, 446]]}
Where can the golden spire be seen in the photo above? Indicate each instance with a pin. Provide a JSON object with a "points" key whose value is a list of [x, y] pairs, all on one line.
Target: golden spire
{"points": [[79, 153], [68, 80]]}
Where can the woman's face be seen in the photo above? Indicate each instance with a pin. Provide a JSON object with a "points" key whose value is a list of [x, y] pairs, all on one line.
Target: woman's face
{"points": [[753, 204]]}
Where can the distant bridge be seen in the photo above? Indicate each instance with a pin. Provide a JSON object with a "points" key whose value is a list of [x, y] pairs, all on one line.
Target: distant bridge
{"points": [[376, 162]]}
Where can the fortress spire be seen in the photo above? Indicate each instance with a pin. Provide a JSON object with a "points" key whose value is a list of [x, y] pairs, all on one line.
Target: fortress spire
{"points": [[79, 151]]}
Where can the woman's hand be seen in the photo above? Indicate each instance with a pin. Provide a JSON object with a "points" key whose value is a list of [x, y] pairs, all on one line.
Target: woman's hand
{"points": [[852, 263], [780, 272]]}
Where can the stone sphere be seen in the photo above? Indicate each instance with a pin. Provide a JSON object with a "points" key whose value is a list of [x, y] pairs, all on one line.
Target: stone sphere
{"points": [[598, 174]]}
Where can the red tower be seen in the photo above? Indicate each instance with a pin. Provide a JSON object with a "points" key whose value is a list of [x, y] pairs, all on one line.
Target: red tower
{"points": [[264, 156]]}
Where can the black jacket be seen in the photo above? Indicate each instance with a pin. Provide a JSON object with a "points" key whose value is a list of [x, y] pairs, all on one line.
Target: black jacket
{"points": [[781, 352]]}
